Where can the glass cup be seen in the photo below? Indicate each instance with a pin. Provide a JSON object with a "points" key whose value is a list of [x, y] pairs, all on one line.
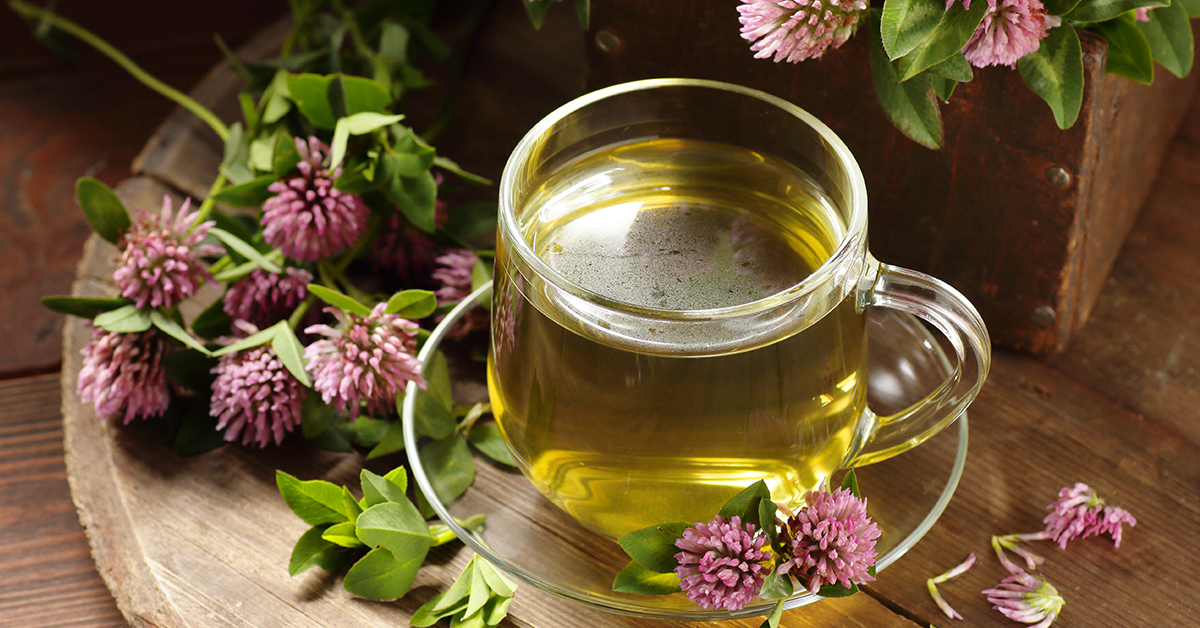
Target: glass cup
{"points": [[678, 308]]}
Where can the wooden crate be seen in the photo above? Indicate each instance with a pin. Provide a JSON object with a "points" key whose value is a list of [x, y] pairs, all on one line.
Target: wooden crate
{"points": [[1023, 218]]}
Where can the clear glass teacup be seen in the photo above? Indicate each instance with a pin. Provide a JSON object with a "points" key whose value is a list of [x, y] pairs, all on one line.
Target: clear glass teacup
{"points": [[678, 309]]}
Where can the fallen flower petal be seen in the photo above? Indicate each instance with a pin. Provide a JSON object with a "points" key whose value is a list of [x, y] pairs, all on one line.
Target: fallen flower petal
{"points": [[1024, 598], [1079, 512], [949, 575]]}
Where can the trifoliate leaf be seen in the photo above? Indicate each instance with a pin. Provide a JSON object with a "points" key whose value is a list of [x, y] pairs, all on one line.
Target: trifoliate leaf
{"points": [[377, 489], [653, 547]]}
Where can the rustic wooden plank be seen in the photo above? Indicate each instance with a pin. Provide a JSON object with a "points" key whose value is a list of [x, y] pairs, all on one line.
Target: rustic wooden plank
{"points": [[49, 578], [1034, 431], [1141, 347]]}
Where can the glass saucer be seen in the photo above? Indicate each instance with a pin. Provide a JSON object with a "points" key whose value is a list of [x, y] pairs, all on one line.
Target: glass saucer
{"points": [[535, 542]]}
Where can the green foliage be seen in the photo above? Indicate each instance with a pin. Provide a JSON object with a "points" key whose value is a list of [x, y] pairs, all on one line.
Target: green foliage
{"points": [[449, 465], [173, 329], [83, 307], [635, 578], [245, 249], [772, 620], [316, 502], [1103, 10], [904, 24], [480, 596], [745, 504], [104, 212], [252, 193], [947, 39], [777, 586], [1129, 52], [487, 439], [412, 304], [1055, 73], [338, 299], [127, 319], [1169, 33], [653, 547], [910, 104]]}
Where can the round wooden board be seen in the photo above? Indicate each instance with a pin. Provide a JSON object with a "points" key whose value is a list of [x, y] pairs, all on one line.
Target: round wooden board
{"points": [[205, 540]]}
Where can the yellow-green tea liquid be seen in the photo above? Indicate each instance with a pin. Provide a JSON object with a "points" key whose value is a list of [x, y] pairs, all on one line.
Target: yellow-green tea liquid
{"points": [[622, 438]]}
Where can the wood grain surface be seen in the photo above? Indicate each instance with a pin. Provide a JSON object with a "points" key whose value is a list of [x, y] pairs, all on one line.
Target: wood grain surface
{"points": [[203, 541]]}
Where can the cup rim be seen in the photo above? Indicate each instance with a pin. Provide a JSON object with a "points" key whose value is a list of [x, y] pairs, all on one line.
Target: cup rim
{"points": [[831, 269]]}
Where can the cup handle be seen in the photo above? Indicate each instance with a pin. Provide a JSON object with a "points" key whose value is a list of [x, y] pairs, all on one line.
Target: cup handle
{"points": [[949, 311]]}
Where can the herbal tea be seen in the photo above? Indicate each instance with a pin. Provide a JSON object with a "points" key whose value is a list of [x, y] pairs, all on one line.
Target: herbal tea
{"points": [[622, 437]]}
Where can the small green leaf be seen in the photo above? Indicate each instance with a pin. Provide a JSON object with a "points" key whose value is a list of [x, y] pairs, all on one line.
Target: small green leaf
{"points": [[837, 590], [378, 489], [1055, 73], [480, 592], [449, 465], [285, 156], [412, 304], [537, 10], [434, 416], [245, 250], [1191, 6], [1170, 36], [102, 210], [909, 105], [1129, 53], [414, 195], [942, 87], [84, 307], [236, 272], [496, 610], [1103, 10], [952, 33], [276, 98], [772, 620], [315, 501], [496, 581], [338, 300], [350, 505], [361, 95], [1060, 7], [777, 586], [313, 551], [124, 320], [249, 342], [234, 163], [766, 521], [396, 526], [289, 351], [745, 503], [450, 166], [906, 23], [653, 547], [367, 121], [381, 576], [635, 578], [176, 331], [450, 602], [955, 68], [342, 534], [261, 154], [487, 439], [392, 441], [213, 322], [249, 194], [309, 91], [850, 481]]}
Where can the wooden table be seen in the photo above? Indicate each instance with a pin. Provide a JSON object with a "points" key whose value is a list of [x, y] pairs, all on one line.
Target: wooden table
{"points": [[1118, 410]]}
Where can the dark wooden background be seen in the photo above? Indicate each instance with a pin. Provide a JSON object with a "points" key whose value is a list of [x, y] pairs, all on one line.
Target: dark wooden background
{"points": [[1118, 409]]}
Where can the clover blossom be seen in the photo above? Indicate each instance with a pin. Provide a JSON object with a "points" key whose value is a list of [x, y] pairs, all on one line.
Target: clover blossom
{"points": [[364, 360], [160, 256], [125, 371], [1079, 513], [263, 298], [308, 218], [255, 398], [404, 250], [932, 583], [455, 274], [1024, 598], [721, 565], [795, 30], [1010, 30], [831, 540]]}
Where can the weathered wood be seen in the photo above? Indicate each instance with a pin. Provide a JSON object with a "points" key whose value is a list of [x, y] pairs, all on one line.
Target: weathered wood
{"points": [[984, 213]]}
